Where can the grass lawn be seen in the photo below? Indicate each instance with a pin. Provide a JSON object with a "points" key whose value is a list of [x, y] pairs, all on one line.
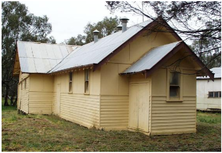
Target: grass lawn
{"points": [[50, 133]]}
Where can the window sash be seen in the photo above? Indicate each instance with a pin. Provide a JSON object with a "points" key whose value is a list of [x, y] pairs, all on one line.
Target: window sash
{"points": [[70, 81], [86, 75], [86, 81], [174, 85], [70, 77], [174, 79], [214, 94]]}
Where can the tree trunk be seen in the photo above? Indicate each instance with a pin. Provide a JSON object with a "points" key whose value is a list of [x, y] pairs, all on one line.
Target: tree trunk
{"points": [[15, 101], [11, 99], [6, 95]]}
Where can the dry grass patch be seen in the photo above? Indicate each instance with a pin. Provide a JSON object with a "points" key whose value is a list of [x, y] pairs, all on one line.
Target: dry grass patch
{"points": [[51, 133]]}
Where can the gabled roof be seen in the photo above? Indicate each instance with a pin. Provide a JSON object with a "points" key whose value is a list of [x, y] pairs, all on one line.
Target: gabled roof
{"points": [[94, 53], [157, 56], [215, 70], [151, 58], [47, 58], [40, 57]]}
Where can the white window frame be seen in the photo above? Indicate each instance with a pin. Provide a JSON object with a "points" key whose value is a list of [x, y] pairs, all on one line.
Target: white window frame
{"points": [[70, 82], [213, 92], [86, 81], [180, 97]]}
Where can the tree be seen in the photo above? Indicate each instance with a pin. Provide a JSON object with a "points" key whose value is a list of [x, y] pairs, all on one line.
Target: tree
{"points": [[79, 40], [18, 24], [105, 27], [199, 21]]}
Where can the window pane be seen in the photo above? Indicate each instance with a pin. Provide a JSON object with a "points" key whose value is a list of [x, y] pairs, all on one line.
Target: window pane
{"points": [[87, 81], [70, 86], [210, 94], [219, 94], [70, 77], [70, 81], [174, 91], [86, 75], [86, 86], [216, 94], [174, 78]]}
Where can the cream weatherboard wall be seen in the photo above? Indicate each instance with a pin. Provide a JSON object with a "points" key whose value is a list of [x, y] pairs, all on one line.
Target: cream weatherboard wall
{"points": [[23, 93], [78, 106], [114, 97], [173, 116], [35, 93], [114, 112], [41, 93], [163, 115]]}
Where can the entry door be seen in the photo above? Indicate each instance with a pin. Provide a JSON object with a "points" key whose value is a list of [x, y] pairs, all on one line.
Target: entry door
{"points": [[139, 106]]}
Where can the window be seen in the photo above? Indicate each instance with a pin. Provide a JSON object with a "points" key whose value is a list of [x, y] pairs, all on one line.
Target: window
{"points": [[211, 94], [70, 82], [86, 81], [174, 91], [214, 94]]}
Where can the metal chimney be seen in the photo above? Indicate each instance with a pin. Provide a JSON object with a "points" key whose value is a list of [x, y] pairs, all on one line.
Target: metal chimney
{"points": [[95, 34], [124, 21]]}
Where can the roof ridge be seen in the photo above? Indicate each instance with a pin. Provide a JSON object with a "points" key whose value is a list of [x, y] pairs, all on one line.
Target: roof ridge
{"points": [[48, 43]]}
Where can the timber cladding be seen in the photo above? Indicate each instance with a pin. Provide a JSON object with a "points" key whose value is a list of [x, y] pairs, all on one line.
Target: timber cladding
{"points": [[23, 93], [114, 112], [81, 109], [173, 117], [40, 102]]}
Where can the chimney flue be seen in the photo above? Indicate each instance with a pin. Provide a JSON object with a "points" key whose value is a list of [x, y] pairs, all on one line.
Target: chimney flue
{"points": [[124, 21], [95, 33]]}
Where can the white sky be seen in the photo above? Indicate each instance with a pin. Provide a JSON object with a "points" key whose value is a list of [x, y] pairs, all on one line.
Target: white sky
{"points": [[69, 18]]}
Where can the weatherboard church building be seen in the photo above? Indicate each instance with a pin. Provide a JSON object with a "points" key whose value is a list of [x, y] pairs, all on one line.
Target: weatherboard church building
{"points": [[138, 78]]}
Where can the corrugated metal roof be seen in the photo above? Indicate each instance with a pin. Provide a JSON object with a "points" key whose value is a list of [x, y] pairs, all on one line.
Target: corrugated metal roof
{"points": [[215, 70], [40, 57], [93, 53], [151, 58]]}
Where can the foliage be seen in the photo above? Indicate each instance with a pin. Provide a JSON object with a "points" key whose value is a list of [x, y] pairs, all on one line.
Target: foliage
{"points": [[79, 40], [208, 48], [31, 132], [106, 27], [199, 21], [211, 118], [18, 24]]}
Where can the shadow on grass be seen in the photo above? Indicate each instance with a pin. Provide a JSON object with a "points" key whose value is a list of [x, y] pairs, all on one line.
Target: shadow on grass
{"points": [[4, 108]]}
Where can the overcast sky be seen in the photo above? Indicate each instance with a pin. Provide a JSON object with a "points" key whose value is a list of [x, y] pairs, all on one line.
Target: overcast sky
{"points": [[68, 18]]}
